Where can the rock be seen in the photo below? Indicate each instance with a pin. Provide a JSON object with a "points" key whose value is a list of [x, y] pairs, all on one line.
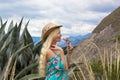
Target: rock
{"points": [[102, 39]]}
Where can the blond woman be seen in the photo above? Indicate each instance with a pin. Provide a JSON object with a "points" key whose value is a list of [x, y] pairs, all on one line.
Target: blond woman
{"points": [[52, 64]]}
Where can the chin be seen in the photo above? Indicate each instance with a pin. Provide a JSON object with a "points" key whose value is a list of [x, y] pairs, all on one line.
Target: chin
{"points": [[59, 40]]}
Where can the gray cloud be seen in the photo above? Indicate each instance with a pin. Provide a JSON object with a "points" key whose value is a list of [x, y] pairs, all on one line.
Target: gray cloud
{"points": [[103, 7], [77, 16]]}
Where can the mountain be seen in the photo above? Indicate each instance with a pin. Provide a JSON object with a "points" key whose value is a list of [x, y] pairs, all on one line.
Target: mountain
{"points": [[103, 38], [112, 19], [73, 39], [36, 39]]}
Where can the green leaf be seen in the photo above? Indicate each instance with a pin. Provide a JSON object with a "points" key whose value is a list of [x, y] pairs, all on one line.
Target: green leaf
{"points": [[37, 47], [26, 36], [14, 35], [17, 53], [3, 50], [2, 41], [26, 57], [2, 30], [10, 26], [25, 70], [18, 29], [30, 77], [11, 43]]}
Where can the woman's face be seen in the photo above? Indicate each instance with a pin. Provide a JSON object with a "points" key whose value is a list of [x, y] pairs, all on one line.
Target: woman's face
{"points": [[57, 38]]}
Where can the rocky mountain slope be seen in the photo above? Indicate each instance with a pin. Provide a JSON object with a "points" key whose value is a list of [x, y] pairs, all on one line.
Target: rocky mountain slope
{"points": [[103, 39]]}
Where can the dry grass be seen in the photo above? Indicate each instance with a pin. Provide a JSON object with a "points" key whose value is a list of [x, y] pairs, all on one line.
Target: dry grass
{"points": [[7, 68], [13, 70], [107, 68]]}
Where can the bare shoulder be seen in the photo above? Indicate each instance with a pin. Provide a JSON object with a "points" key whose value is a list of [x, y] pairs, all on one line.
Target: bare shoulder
{"points": [[49, 54], [48, 51]]}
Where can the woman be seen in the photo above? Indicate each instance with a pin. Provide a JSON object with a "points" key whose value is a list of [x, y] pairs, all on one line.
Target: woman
{"points": [[52, 64]]}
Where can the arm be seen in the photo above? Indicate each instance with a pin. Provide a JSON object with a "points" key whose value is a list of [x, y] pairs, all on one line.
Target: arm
{"points": [[63, 59], [69, 48]]}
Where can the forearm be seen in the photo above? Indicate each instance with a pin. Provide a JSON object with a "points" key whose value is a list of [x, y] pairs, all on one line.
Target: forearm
{"points": [[63, 60], [68, 56]]}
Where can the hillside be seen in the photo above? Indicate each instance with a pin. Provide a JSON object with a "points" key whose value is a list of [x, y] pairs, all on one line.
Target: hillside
{"points": [[112, 19], [103, 39]]}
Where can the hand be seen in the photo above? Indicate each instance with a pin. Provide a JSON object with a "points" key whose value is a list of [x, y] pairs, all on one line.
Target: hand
{"points": [[55, 48], [69, 46]]}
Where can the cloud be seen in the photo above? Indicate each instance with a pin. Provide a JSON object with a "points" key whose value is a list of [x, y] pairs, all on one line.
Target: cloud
{"points": [[78, 29], [104, 5], [77, 16]]}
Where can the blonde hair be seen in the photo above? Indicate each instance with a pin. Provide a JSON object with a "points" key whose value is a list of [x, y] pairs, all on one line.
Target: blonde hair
{"points": [[45, 47]]}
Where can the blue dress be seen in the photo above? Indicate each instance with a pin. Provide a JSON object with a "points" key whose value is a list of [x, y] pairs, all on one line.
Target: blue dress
{"points": [[55, 69]]}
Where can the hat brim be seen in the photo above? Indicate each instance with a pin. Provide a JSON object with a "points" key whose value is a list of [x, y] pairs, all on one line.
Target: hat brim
{"points": [[49, 31]]}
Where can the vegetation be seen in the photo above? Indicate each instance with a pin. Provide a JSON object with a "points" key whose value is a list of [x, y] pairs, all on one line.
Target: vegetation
{"points": [[19, 58], [105, 67], [18, 54], [117, 38]]}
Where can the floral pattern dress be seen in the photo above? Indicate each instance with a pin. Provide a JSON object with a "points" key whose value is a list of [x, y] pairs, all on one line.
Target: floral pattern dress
{"points": [[55, 69]]}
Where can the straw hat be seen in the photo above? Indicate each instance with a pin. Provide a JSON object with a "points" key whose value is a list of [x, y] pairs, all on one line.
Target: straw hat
{"points": [[48, 29]]}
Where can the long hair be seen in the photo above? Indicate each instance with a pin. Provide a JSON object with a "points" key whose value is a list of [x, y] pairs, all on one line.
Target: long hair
{"points": [[45, 47]]}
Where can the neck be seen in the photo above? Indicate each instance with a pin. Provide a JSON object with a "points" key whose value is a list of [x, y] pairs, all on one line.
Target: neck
{"points": [[53, 43]]}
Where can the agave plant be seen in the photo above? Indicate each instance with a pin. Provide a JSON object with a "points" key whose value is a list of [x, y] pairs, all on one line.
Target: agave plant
{"points": [[18, 54]]}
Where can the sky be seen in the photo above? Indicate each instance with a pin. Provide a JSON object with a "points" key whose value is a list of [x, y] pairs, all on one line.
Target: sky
{"points": [[78, 17]]}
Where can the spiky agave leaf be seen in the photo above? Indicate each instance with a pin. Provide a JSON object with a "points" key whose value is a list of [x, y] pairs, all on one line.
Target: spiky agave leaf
{"points": [[2, 73], [14, 55], [10, 26], [23, 34], [15, 33], [13, 70], [6, 73], [26, 69], [37, 48], [31, 77], [4, 46], [18, 29], [13, 47], [10, 43], [26, 36], [27, 55], [2, 41], [2, 29], [3, 57], [14, 37], [17, 53]]}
